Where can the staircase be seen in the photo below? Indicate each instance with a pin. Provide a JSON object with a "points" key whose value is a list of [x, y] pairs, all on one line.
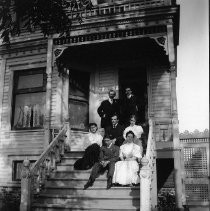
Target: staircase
{"points": [[64, 191]]}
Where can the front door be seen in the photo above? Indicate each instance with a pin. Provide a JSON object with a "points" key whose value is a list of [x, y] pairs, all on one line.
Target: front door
{"points": [[136, 79], [79, 100]]}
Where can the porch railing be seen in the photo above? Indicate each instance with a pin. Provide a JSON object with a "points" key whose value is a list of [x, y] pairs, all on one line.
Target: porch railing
{"points": [[33, 179], [117, 7], [148, 172]]}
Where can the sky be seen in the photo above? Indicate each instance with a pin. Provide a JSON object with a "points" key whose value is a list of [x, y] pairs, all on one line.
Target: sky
{"points": [[193, 65]]}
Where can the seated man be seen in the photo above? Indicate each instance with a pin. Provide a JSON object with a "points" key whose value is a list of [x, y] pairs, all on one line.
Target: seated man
{"points": [[109, 154], [115, 131]]}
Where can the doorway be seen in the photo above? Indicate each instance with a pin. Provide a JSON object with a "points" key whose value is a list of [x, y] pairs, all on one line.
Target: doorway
{"points": [[79, 99], [136, 79]]}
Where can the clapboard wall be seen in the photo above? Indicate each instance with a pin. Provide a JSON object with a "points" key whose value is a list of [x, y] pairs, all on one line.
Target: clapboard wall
{"points": [[160, 103], [17, 145]]}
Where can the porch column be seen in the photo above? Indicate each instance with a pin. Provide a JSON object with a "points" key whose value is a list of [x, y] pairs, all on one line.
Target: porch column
{"points": [[2, 72], [65, 104], [175, 123], [48, 91]]}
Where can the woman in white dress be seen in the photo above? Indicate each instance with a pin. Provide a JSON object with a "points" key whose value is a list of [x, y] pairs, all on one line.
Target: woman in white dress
{"points": [[92, 144], [126, 170], [136, 129]]}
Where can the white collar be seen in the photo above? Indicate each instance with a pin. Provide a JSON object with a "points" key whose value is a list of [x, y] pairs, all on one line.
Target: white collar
{"points": [[111, 100], [114, 126], [129, 96], [109, 146]]}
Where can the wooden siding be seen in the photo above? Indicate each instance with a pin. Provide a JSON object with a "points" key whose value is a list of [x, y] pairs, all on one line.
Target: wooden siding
{"points": [[17, 144], [27, 36], [161, 97], [160, 102]]}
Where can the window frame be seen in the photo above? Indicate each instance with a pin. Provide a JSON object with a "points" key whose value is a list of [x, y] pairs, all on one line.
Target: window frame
{"points": [[17, 91], [14, 168]]}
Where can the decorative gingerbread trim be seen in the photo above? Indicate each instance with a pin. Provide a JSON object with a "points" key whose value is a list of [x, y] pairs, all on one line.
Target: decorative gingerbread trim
{"points": [[108, 35], [163, 42], [58, 51]]}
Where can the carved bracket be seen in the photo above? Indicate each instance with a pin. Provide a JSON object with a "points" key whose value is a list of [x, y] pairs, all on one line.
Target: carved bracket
{"points": [[163, 42], [57, 53]]}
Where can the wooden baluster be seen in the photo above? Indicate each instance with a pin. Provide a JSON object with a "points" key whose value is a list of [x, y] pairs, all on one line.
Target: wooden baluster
{"points": [[57, 153], [48, 166], [52, 160], [38, 181], [61, 146], [42, 175]]}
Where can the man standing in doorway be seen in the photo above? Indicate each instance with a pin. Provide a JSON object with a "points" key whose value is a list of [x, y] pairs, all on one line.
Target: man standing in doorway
{"points": [[108, 108], [130, 106]]}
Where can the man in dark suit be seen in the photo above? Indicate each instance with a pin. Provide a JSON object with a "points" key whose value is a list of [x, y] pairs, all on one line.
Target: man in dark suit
{"points": [[108, 108], [129, 106], [115, 131], [109, 155]]}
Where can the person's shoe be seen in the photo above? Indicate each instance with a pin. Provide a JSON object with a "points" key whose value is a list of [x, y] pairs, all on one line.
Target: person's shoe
{"points": [[88, 184], [109, 183]]}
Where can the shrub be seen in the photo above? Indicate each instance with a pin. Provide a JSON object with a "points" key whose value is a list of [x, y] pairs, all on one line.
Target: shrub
{"points": [[166, 200], [10, 199]]}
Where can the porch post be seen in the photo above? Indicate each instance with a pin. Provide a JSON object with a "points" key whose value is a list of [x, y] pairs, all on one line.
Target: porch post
{"points": [[65, 105], [2, 72], [175, 123], [48, 91]]}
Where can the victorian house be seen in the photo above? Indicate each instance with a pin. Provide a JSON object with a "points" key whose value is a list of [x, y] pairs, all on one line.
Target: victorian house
{"points": [[54, 85]]}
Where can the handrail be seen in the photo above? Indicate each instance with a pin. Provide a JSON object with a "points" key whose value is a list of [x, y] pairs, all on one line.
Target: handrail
{"points": [[33, 179], [45, 154], [194, 140]]}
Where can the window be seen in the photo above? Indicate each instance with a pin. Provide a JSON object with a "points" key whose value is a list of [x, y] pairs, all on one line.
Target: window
{"points": [[17, 169], [29, 99]]}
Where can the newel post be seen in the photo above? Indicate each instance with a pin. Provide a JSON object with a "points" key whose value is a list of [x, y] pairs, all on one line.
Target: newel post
{"points": [[25, 202], [145, 175]]}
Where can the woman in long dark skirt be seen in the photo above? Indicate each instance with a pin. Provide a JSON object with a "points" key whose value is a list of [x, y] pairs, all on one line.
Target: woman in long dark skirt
{"points": [[93, 142]]}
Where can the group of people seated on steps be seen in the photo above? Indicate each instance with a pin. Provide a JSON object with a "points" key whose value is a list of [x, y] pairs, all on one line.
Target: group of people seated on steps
{"points": [[120, 150]]}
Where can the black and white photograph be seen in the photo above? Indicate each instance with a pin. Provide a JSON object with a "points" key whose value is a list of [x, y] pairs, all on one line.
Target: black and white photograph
{"points": [[104, 105]]}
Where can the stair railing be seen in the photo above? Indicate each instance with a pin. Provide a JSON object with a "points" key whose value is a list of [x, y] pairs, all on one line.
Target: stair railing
{"points": [[33, 178], [148, 171]]}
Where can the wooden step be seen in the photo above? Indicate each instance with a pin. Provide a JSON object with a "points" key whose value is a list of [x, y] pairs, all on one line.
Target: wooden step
{"points": [[102, 201], [64, 191], [76, 207], [65, 167], [68, 167], [93, 191], [75, 182], [69, 160], [74, 174], [77, 154]]}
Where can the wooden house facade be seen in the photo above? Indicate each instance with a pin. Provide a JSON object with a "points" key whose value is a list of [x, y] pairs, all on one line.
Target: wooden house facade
{"points": [[48, 82]]}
